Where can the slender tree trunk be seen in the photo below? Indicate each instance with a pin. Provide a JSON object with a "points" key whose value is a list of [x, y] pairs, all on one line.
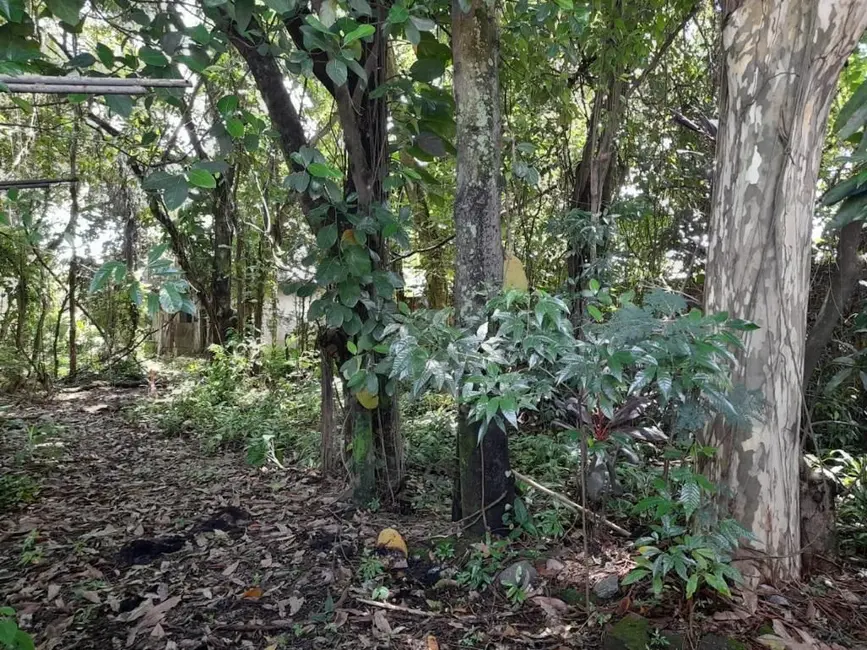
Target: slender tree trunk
{"points": [[594, 184], [781, 64], [221, 295], [485, 482], [130, 235], [73, 346], [54, 354], [844, 281]]}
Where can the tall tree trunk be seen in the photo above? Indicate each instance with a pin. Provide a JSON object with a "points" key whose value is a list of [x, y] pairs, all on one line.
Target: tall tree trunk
{"points": [[221, 295], [73, 346], [844, 281], [377, 461], [485, 482], [594, 183], [130, 235], [781, 64]]}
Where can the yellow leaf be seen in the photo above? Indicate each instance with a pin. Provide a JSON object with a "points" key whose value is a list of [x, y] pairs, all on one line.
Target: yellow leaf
{"points": [[432, 643], [253, 593], [348, 238], [367, 399], [513, 274], [390, 540]]}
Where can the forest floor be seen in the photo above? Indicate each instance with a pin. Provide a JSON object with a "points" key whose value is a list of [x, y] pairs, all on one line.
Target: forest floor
{"points": [[132, 539]]}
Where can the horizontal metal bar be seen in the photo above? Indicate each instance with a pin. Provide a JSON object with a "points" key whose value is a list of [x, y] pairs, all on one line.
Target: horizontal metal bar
{"points": [[34, 182], [95, 81], [56, 89]]}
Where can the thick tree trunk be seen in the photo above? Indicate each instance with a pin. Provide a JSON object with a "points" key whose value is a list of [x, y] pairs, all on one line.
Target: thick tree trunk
{"points": [[485, 482], [842, 287], [781, 63]]}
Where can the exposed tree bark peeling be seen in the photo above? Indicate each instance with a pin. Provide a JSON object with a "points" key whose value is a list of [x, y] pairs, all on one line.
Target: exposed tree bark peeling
{"points": [[781, 64]]}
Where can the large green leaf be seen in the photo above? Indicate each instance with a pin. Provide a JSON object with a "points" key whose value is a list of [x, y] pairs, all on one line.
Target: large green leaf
{"points": [[243, 14], [120, 104], [853, 114], [851, 209], [201, 178], [152, 56], [171, 300], [281, 6], [327, 236], [68, 11], [176, 193], [337, 71], [362, 31], [427, 70], [321, 170]]}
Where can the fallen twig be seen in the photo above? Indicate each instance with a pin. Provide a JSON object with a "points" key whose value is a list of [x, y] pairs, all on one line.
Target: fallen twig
{"points": [[571, 504], [395, 608]]}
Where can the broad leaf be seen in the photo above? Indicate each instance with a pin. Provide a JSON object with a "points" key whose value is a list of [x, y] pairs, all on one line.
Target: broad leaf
{"points": [[201, 178]]}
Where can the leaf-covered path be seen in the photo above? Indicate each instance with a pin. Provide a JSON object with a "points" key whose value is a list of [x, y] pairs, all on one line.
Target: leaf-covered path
{"points": [[135, 540]]}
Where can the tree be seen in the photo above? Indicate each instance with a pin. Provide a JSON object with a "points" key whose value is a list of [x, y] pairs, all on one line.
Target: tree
{"points": [[485, 484], [781, 64]]}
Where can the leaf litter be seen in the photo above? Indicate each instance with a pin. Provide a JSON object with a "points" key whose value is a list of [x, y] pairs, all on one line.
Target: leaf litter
{"points": [[137, 540]]}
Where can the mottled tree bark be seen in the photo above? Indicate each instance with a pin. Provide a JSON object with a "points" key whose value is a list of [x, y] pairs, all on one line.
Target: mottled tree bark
{"points": [[781, 64], [485, 482]]}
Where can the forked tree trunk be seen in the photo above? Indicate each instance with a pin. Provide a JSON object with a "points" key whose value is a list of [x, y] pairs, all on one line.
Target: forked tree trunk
{"points": [[485, 482], [781, 64]]}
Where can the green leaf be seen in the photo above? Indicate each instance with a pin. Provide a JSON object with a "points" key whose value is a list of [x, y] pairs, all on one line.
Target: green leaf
{"points": [[427, 70], [120, 104], [67, 10], [153, 57], [243, 14], [361, 7], [412, 33], [594, 285], [327, 236], [691, 585], [336, 71], [362, 31], [853, 208], [175, 194], [201, 178], [853, 114], [398, 15], [104, 273], [718, 583], [350, 293], [235, 127], [690, 497], [298, 181], [281, 6], [227, 104], [153, 304], [431, 143], [634, 576], [83, 60], [321, 170], [171, 299], [423, 24], [593, 310]]}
